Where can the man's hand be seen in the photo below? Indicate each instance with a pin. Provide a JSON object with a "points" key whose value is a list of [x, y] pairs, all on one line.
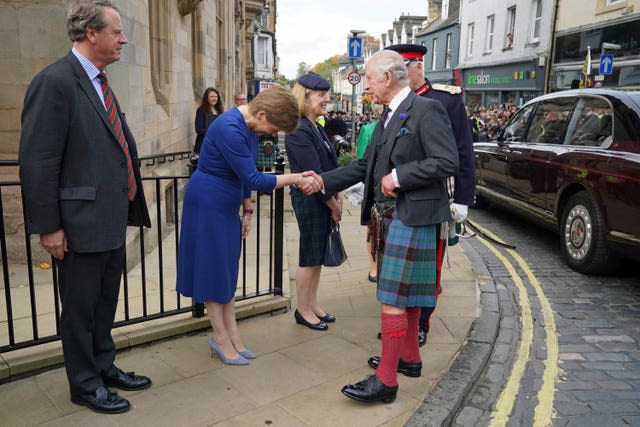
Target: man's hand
{"points": [[459, 212], [314, 181], [388, 187], [55, 243]]}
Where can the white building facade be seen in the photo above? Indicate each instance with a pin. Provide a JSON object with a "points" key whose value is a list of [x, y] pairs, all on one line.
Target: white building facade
{"points": [[504, 49]]}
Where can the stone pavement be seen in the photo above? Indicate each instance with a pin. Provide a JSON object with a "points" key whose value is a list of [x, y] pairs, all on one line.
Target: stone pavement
{"points": [[296, 379]]}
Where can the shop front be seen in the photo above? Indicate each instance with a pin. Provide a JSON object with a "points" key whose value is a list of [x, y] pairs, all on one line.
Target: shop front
{"points": [[619, 40], [514, 83]]}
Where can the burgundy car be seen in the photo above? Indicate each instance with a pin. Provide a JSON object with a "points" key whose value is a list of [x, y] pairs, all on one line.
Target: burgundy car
{"points": [[571, 161]]}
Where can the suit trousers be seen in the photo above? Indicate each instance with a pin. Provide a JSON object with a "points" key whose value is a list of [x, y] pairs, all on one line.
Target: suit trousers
{"points": [[89, 288]]}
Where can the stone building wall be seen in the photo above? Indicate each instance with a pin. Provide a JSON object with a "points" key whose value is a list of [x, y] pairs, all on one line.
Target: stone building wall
{"points": [[176, 49]]}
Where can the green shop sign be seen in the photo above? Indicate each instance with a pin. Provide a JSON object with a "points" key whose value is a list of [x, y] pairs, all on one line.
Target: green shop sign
{"points": [[484, 79]]}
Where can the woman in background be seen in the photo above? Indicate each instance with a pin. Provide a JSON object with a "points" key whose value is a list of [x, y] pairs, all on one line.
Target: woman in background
{"points": [[210, 108], [308, 148]]}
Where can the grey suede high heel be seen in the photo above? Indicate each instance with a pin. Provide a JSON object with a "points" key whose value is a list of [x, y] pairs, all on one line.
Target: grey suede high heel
{"points": [[214, 347]]}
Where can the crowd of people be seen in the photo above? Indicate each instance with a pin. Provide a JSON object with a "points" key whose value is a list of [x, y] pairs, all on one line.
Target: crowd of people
{"points": [[487, 122], [81, 182]]}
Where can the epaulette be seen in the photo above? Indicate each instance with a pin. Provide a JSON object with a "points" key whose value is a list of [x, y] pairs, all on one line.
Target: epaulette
{"points": [[453, 90]]}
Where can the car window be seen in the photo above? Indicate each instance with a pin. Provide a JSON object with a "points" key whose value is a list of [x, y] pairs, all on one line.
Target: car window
{"points": [[593, 122], [517, 127], [550, 120]]}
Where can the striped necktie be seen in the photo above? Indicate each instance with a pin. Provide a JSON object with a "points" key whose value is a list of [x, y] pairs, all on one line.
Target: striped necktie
{"points": [[385, 115], [114, 119]]}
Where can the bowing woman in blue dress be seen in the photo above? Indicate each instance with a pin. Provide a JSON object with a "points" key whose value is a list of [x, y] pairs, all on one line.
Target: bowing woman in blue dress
{"points": [[212, 230]]}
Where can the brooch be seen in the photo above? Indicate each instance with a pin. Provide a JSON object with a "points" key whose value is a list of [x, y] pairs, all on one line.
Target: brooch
{"points": [[403, 115]]}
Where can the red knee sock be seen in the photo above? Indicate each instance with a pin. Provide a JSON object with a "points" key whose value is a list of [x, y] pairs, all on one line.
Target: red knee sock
{"points": [[410, 348], [393, 329]]}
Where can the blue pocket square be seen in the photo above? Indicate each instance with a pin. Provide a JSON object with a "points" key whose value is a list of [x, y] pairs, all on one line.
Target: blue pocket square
{"points": [[403, 132]]}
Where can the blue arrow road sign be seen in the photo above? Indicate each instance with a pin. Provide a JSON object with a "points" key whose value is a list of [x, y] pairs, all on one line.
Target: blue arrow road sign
{"points": [[606, 64], [354, 47]]}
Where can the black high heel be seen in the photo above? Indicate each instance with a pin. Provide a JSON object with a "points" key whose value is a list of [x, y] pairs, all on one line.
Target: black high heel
{"points": [[320, 326]]}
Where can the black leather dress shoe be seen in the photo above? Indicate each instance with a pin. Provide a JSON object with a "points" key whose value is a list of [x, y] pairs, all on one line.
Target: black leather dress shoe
{"points": [[370, 389], [126, 380], [328, 318], [409, 369], [320, 326], [373, 279], [422, 337], [103, 401]]}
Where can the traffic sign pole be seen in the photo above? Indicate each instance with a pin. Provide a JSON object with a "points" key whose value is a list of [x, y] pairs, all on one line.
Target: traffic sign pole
{"points": [[354, 48]]}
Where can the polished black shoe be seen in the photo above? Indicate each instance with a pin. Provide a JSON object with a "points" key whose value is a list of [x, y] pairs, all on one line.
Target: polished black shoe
{"points": [[102, 400], [126, 380], [409, 369], [370, 389], [422, 337], [373, 279], [320, 326], [328, 318]]}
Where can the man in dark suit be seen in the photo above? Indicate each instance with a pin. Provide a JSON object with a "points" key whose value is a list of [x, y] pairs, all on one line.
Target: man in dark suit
{"points": [[462, 186], [404, 169], [81, 184]]}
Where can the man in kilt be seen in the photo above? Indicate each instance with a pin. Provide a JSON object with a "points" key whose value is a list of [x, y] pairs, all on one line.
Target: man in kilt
{"points": [[412, 152], [462, 186]]}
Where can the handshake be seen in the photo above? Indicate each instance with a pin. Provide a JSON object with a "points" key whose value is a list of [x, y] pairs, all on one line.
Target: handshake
{"points": [[309, 182]]}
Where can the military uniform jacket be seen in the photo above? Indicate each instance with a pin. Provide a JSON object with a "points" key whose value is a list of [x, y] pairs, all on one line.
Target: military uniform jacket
{"points": [[465, 179]]}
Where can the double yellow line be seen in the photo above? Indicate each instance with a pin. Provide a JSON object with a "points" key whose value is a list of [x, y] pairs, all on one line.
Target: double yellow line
{"points": [[506, 400]]}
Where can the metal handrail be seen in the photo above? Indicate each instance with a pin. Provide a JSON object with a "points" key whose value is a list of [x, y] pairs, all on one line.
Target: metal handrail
{"points": [[153, 303]]}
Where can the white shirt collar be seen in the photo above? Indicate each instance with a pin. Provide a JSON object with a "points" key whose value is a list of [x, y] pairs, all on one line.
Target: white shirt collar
{"points": [[397, 100]]}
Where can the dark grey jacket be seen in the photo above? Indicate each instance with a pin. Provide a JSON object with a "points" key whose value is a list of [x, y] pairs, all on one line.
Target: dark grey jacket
{"points": [[419, 143], [72, 168]]}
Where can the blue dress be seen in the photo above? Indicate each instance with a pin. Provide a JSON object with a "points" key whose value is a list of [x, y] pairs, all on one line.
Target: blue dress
{"points": [[210, 236]]}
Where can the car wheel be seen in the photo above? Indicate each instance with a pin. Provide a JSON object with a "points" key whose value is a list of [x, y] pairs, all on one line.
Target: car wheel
{"points": [[582, 236]]}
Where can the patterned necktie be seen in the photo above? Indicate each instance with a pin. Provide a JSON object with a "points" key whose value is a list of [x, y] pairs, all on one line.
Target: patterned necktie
{"points": [[385, 115], [114, 118]]}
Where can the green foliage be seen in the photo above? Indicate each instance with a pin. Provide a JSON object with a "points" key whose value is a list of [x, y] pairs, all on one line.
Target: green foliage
{"points": [[303, 68], [327, 67], [284, 81], [344, 159]]}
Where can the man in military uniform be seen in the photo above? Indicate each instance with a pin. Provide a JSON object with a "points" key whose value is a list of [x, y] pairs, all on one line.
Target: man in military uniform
{"points": [[462, 186]]}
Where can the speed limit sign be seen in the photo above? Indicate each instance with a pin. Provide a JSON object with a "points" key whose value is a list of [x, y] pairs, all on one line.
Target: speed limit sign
{"points": [[354, 78]]}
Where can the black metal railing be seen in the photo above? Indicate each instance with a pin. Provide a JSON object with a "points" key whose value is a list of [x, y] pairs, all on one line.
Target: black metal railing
{"points": [[30, 311]]}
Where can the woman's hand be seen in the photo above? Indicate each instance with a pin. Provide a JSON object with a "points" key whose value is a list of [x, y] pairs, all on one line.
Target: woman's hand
{"points": [[246, 226], [336, 214]]}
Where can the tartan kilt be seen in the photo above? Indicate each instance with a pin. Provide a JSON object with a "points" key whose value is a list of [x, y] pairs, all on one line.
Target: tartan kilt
{"points": [[313, 219], [407, 274], [264, 161]]}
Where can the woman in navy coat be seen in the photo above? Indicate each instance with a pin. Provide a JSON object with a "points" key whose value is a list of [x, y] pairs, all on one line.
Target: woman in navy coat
{"points": [[209, 110], [308, 148]]}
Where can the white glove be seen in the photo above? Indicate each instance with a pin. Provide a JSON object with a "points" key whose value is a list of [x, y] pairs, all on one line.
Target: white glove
{"points": [[459, 212]]}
